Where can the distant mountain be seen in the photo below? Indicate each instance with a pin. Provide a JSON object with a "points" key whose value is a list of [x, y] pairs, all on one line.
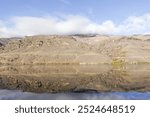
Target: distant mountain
{"points": [[4, 41], [85, 35]]}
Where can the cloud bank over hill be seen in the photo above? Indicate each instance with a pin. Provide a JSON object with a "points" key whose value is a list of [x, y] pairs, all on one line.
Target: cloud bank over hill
{"points": [[72, 24]]}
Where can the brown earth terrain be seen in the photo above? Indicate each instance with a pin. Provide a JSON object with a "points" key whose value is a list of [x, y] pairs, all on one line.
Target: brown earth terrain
{"points": [[98, 49], [75, 63]]}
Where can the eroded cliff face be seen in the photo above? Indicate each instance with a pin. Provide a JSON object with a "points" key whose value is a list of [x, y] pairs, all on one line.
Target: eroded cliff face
{"points": [[98, 49]]}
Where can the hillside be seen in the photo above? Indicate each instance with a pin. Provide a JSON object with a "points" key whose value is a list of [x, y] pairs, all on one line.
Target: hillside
{"points": [[76, 49]]}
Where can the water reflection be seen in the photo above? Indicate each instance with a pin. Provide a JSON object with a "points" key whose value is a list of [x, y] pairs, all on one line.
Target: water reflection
{"points": [[18, 95], [43, 81]]}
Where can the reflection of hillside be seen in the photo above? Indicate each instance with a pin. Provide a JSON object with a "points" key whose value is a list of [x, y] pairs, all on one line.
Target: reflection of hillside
{"points": [[43, 70], [75, 78]]}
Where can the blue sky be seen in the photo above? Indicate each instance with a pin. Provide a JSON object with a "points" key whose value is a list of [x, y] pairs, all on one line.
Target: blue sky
{"points": [[97, 11]]}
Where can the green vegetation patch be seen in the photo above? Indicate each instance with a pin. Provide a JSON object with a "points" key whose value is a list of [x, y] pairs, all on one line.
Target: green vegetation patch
{"points": [[118, 62]]}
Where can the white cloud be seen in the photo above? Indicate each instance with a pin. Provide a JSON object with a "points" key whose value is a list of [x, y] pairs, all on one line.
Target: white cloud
{"points": [[25, 25], [135, 24]]}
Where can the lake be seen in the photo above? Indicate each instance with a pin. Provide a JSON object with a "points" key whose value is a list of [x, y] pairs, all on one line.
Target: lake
{"points": [[19, 95]]}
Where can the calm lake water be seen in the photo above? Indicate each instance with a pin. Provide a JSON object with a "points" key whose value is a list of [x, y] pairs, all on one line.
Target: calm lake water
{"points": [[77, 81], [19, 95]]}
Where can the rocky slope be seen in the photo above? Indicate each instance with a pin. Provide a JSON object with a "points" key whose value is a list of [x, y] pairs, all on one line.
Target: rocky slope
{"points": [[77, 49]]}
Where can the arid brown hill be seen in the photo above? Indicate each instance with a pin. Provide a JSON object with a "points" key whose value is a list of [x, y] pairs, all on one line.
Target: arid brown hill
{"points": [[98, 49]]}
